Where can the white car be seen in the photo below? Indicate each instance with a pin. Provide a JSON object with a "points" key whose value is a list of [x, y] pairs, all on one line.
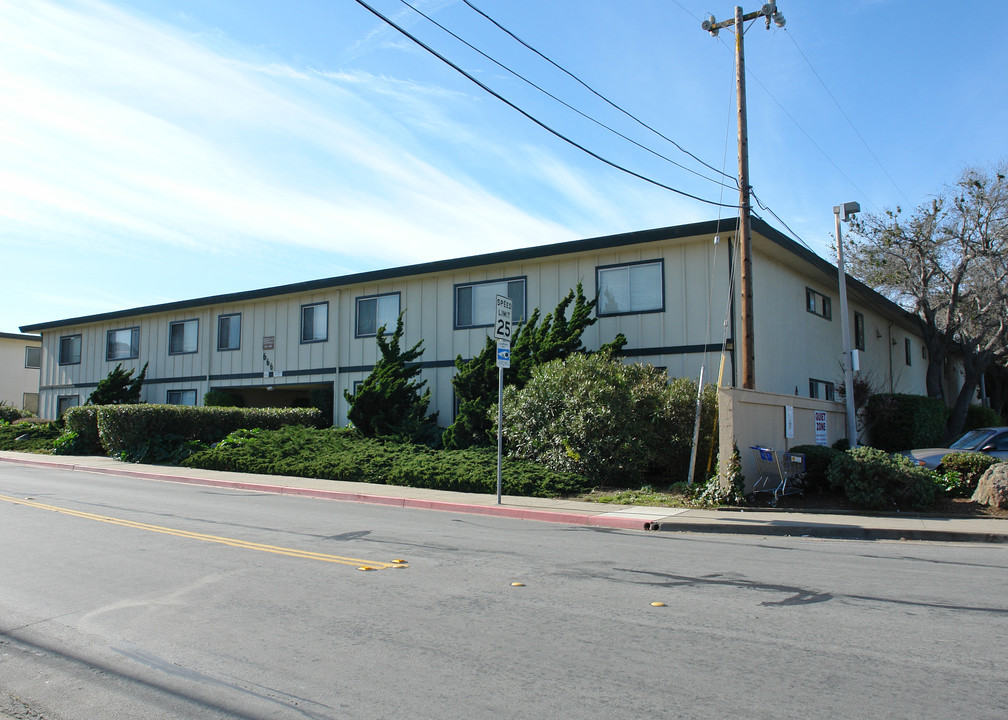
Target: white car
{"points": [[992, 440]]}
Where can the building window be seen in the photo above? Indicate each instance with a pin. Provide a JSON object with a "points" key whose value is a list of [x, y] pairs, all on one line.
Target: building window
{"points": [[375, 311], [30, 402], [923, 352], [70, 350], [632, 288], [906, 349], [229, 331], [315, 322], [182, 397], [122, 344], [859, 331], [33, 357], [818, 304], [65, 402], [821, 389], [183, 337], [476, 304]]}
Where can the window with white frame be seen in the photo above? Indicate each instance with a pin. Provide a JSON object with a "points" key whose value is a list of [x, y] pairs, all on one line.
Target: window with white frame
{"points": [[65, 402], [33, 357], [70, 350], [229, 331], [476, 303], [818, 304], [821, 389], [182, 397], [183, 337], [630, 288], [122, 344], [315, 322], [375, 311]]}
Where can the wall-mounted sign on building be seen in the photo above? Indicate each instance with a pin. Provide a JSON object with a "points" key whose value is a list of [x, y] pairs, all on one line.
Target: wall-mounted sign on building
{"points": [[268, 342], [820, 427]]}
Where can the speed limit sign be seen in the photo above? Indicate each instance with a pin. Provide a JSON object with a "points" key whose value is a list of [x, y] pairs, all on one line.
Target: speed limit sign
{"points": [[502, 318]]}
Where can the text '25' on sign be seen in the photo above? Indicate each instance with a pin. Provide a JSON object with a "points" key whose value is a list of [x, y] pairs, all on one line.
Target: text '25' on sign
{"points": [[502, 319]]}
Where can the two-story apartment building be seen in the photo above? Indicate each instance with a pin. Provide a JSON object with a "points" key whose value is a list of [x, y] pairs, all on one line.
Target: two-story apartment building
{"points": [[672, 291], [20, 367]]}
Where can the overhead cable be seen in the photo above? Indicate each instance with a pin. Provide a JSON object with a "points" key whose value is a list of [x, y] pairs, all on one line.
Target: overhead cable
{"points": [[598, 94], [531, 117], [554, 97]]}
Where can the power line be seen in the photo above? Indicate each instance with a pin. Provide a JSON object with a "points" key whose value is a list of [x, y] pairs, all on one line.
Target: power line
{"points": [[594, 92], [528, 115], [554, 97]]}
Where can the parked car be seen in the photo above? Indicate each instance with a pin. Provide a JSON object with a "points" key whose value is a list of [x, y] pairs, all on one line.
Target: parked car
{"points": [[992, 440]]}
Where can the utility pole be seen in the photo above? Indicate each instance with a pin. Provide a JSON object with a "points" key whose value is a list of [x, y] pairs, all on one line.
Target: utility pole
{"points": [[769, 10], [848, 209]]}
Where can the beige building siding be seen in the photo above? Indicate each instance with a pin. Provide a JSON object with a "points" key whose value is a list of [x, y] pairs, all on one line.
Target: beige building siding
{"points": [[792, 345], [19, 384]]}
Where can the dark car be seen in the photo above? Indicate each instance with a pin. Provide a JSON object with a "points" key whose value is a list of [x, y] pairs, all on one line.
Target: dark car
{"points": [[992, 440]]}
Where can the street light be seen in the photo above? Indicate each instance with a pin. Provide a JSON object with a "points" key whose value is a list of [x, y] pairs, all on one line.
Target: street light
{"points": [[849, 359]]}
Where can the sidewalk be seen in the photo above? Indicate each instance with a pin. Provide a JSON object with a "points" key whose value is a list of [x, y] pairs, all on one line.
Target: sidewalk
{"points": [[630, 517]]}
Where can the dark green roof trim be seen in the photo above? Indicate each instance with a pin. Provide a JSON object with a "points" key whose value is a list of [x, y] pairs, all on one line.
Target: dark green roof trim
{"points": [[608, 242], [18, 336]]}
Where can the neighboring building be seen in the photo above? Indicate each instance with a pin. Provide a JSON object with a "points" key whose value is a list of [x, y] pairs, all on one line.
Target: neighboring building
{"points": [[20, 368], [669, 290]]}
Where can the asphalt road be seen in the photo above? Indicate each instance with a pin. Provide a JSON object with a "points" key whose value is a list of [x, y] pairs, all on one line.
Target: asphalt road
{"points": [[126, 598]]}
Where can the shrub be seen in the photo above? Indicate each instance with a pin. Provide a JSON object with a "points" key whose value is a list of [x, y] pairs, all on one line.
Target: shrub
{"points": [[119, 387], [343, 454], [597, 417], [9, 413], [83, 423], [28, 436], [222, 398], [962, 470], [901, 422], [818, 459], [873, 479], [137, 432], [978, 416]]}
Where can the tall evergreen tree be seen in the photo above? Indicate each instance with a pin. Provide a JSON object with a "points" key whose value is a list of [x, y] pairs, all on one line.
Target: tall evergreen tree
{"points": [[119, 387], [532, 344], [390, 401]]}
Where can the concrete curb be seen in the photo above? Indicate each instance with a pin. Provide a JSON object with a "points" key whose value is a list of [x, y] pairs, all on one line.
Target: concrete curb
{"points": [[831, 532]]}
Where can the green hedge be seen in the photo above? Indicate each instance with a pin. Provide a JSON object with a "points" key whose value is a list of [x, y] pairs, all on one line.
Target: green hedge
{"points": [[873, 479], [978, 416], [82, 421], [962, 470], [130, 432], [343, 454], [818, 459], [903, 422]]}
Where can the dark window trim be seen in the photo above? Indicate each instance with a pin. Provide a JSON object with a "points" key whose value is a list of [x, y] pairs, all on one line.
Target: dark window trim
{"points": [[194, 391], [131, 356], [906, 350], [660, 261], [456, 286], [826, 305], [829, 389], [80, 350], [183, 322], [28, 349], [859, 332], [67, 397], [301, 328], [357, 333], [219, 318]]}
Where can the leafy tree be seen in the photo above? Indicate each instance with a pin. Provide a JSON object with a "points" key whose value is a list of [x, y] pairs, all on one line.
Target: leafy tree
{"points": [[118, 388], [390, 402], [948, 264], [533, 343]]}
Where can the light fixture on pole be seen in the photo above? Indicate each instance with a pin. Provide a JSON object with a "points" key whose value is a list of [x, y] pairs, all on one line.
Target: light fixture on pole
{"points": [[769, 11], [849, 358]]}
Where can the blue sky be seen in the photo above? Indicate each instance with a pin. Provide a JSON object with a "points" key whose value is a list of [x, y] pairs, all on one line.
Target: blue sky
{"points": [[161, 150]]}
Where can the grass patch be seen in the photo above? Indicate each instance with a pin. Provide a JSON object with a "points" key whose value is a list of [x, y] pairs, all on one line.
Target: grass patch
{"points": [[678, 495]]}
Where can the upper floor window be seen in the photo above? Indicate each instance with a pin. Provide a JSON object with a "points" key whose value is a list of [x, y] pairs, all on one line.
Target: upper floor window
{"points": [[70, 350], [818, 304], [476, 303], [630, 288], [33, 357], [122, 344], [182, 397], [821, 389], [859, 342], [183, 337], [376, 311], [229, 331], [906, 349], [315, 322]]}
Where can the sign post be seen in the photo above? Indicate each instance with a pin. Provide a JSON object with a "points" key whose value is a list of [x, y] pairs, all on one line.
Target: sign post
{"points": [[502, 333]]}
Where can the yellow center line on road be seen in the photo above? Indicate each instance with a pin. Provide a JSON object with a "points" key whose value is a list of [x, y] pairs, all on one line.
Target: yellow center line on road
{"points": [[291, 552]]}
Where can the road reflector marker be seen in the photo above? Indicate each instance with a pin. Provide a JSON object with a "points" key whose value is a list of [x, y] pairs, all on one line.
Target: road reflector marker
{"points": [[517, 584], [365, 567], [399, 561], [657, 604]]}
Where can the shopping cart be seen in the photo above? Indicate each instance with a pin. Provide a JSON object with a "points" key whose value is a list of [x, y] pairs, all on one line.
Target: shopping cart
{"points": [[780, 474]]}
